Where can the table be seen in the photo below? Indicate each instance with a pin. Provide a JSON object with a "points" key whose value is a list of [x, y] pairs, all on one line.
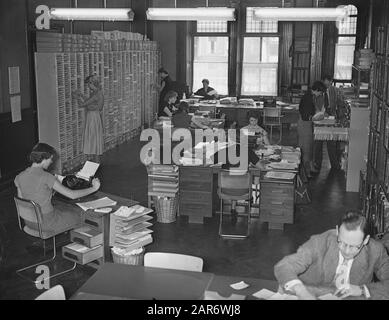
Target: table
{"points": [[116, 281], [99, 220]]}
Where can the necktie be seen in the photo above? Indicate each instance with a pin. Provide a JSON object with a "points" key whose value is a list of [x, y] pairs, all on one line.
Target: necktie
{"points": [[326, 101], [341, 275]]}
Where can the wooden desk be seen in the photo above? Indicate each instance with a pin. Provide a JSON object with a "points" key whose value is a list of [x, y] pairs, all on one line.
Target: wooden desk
{"points": [[98, 220], [113, 281]]}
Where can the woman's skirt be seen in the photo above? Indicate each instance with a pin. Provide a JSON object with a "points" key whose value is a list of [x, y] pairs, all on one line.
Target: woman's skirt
{"points": [[305, 139], [93, 135]]}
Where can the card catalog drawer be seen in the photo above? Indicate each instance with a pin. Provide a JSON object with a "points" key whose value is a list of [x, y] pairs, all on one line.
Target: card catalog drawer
{"points": [[82, 254], [87, 236]]}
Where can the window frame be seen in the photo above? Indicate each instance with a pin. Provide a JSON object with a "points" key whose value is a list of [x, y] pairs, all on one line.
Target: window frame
{"points": [[242, 36], [346, 35], [227, 34]]}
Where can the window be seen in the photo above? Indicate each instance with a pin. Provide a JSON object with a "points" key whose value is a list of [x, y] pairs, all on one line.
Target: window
{"points": [[260, 57], [344, 49], [210, 59]]}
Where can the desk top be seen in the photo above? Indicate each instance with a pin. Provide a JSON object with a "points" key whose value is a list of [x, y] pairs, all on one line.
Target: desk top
{"points": [[116, 281], [97, 195]]}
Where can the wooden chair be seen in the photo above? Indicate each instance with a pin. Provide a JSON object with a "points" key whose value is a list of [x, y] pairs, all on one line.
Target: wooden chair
{"points": [[272, 118], [173, 261], [234, 185], [29, 211], [55, 293]]}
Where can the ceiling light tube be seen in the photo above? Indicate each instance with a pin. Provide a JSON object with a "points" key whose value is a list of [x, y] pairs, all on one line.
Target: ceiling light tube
{"points": [[187, 14], [301, 14], [98, 14]]}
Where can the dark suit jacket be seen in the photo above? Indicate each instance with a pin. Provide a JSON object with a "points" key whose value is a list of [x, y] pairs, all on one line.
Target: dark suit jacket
{"points": [[316, 260]]}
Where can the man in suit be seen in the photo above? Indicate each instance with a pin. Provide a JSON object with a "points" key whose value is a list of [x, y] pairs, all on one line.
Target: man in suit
{"points": [[334, 106], [341, 261]]}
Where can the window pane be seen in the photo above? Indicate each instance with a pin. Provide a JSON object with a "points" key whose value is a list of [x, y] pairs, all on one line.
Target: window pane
{"points": [[270, 49], [260, 65], [259, 79], [211, 62], [254, 25], [352, 10], [344, 56], [348, 26], [346, 40], [211, 26], [252, 49]]}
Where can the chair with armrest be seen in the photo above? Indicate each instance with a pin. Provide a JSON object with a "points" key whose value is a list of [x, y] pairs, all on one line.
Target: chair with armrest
{"points": [[234, 185], [272, 118], [173, 261], [30, 212]]}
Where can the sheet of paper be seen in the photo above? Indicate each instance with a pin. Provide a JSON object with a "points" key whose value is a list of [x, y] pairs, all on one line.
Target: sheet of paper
{"points": [[14, 80], [88, 170], [16, 112], [329, 296], [280, 296], [264, 294], [212, 295], [99, 203], [239, 285]]}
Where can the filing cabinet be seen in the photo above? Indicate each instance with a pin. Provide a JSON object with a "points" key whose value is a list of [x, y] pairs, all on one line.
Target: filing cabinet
{"points": [[277, 202]]}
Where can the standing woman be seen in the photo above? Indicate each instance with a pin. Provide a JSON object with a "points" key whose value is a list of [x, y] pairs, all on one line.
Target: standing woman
{"points": [[307, 109], [93, 140]]}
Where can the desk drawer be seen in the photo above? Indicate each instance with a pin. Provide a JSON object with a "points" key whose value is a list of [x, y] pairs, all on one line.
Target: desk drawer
{"points": [[94, 221], [193, 174], [87, 236], [195, 209], [196, 185], [82, 254], [276, 215], [275, 202], [277, 190], [197, 197]]}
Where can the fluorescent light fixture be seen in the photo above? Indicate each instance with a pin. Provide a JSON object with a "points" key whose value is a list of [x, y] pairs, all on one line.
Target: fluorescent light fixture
{"points": [[187, 14], [301, 14], [99, 14]]}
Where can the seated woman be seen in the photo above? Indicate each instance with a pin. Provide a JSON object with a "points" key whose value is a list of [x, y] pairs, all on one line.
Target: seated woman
{"points": [[181, 118], [36, 184], [168, 107], [254, 129], [206, 91]]}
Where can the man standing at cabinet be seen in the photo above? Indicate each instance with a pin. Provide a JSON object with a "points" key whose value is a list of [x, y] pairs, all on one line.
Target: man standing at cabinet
{"points": [[333, 106]]}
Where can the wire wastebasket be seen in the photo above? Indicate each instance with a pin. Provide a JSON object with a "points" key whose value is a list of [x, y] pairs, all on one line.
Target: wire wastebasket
{"points": [[166, 208], [124, 256]]}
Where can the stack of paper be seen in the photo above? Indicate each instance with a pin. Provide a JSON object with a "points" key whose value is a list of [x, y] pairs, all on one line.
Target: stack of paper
{"points": [[88, 170], [99, 203], [280, 175], [270, 295]]}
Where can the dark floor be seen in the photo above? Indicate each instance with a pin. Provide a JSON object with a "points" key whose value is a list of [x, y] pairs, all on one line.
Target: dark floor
{"points": [[123, 174]]}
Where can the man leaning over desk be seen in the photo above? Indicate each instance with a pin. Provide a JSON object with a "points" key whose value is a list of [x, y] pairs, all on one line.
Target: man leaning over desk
{"points": [[206, 91], [340, 261]]}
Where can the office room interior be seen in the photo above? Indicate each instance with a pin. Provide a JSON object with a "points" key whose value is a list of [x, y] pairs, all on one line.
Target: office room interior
{"points": [[202, 145]]}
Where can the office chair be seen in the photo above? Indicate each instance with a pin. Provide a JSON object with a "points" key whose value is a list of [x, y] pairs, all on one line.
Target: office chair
{"points": [[55, 293], [233, 186], [30, 211], [173, 261], [272, 118]]}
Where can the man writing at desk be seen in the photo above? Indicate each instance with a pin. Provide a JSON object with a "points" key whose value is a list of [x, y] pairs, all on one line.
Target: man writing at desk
{"points": [[206, 91], [341, 261]]}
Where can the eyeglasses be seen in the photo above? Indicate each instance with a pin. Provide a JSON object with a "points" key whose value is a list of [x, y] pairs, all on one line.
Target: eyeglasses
{"points": [[345, 245]]}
